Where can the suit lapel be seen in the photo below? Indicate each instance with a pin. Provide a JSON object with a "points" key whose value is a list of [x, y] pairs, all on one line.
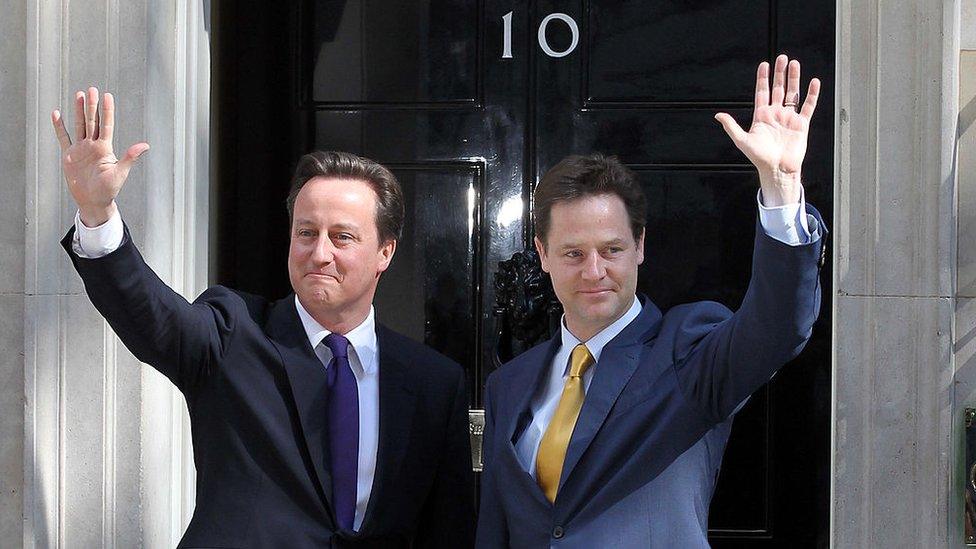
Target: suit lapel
{"points": [[618, 362], [306, 377], [396, 414], [530, 373], [509, 461], [530, 370]]}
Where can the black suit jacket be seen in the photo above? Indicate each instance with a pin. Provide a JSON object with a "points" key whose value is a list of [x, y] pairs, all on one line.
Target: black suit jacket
{"points": [[253, 386]]}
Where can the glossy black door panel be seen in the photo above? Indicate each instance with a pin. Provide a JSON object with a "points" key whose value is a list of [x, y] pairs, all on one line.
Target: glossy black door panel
{"points": [[429, 291], [672, 52], [401, 53], [401, 135], [656, 137], [741, 507], [700, 226], [423, 87]]}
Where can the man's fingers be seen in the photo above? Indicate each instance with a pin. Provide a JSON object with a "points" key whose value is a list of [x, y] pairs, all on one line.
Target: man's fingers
{"points": [[731, 127], [762, 85], [80, 115], [98, 122], [793, 83], [63, 138], [779, 81], [108, 118], [91, 108], [810, 103], [131, 155]]}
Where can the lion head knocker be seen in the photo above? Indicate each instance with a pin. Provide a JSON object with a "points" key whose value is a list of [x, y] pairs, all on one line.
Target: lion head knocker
{"points": [[525, 305]]}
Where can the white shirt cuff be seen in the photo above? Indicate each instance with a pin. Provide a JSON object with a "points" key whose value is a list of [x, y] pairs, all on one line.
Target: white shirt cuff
{"points": [[787, 223], [95, 242]]}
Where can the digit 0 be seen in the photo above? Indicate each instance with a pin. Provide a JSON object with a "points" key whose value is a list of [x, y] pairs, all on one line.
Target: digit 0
{"points": [[543, 42]]}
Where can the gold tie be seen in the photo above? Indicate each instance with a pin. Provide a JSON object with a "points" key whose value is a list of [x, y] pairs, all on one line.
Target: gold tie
{"points": [[552, 449]]}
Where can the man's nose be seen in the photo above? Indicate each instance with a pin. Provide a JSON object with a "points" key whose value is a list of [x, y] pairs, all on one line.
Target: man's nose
{"points": [[324, 251], [595, 267]]}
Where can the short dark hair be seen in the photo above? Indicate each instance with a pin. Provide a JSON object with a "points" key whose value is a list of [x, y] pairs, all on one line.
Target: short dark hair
{"points": [[337, 164], [576, 177]]}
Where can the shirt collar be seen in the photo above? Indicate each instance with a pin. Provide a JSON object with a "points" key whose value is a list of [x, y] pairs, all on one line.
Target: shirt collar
{"points": [[362, 338], [596, 343]]}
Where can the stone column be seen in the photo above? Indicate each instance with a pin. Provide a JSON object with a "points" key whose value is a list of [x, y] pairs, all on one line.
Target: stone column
{"points": [[12, 156], [106, 443], [895, 259], [965, 291]]}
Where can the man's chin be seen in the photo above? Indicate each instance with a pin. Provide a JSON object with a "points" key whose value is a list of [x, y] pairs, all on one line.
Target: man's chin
{"points": [[601, 314], [318, 297]]}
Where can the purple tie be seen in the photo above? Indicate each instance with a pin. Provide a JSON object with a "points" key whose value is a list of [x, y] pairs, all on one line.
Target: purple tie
{"points": [[342, 404]]}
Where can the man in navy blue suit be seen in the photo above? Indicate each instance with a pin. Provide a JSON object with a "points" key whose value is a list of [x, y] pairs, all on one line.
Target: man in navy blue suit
{"points": [[612, 433], [313, 425]]}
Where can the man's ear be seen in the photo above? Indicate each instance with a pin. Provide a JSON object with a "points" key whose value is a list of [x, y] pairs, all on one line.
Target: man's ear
{"points": [[386, 252], [640, 247], [543, 258]]}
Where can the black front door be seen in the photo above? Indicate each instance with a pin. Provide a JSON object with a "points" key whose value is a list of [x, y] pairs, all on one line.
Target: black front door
{"points": [[469, 102]]}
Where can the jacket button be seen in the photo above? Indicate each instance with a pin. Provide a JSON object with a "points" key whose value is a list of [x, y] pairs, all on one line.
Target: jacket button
{"points": [[557, 532]]}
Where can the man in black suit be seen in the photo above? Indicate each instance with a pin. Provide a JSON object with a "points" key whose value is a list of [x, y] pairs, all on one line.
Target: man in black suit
{"points": [[312, 425]]}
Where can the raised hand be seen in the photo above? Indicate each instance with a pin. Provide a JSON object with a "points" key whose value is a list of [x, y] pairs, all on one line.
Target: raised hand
{"points": [[777, 140], [93, 173]]}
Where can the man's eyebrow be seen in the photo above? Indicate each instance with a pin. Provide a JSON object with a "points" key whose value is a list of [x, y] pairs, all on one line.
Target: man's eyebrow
{"points": [[344, 227], [571, 245]]}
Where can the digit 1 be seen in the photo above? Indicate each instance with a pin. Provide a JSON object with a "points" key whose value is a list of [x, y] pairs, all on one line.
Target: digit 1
{"points": [[507, 42]]}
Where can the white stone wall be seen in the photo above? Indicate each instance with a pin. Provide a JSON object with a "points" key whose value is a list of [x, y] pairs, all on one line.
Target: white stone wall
{"points": [[95, 444], [965, 314], [895, 249], [12, 204]]}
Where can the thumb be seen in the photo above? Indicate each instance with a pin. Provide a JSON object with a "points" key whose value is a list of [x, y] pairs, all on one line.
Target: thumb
{"points": [[731, 127], [131, 155]]}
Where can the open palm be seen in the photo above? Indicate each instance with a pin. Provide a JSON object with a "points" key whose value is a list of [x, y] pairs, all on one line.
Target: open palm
{"points": [[777, 139], [92, 171]]}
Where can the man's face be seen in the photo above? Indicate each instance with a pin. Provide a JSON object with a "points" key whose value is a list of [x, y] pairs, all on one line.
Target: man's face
{"points": [[592, 257], [335, 257]]}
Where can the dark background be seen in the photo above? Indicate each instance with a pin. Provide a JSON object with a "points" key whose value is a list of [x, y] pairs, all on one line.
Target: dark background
{"points": [[421, 86]]}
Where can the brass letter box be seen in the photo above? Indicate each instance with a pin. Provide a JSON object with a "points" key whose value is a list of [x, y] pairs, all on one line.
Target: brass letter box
{"points": [[476, 428]]}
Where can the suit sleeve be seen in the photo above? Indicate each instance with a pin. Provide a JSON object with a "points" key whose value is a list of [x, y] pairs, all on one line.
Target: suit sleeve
{"points": [[722, 358], [492, 526], [447, 519], [181, 340]]}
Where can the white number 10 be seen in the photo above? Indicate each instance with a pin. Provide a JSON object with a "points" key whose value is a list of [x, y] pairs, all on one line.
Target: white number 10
{"points": [[543, 42]]}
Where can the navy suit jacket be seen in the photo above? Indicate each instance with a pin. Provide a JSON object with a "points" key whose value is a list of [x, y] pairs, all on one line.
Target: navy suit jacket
{"points": [[253, 386], [664, 390]]}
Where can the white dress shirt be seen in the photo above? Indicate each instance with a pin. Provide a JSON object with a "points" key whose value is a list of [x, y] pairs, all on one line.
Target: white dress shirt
{"points": [[788, 224], [92, 243], [544, 403], [364, 360]]}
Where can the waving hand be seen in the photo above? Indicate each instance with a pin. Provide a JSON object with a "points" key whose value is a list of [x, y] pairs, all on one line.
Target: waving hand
{"points": [[93, 173], [777, 139]]}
